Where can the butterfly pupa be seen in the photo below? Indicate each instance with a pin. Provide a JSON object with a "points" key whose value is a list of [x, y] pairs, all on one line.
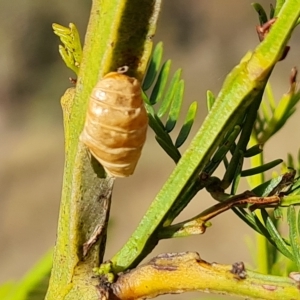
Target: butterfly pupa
{"points": [[116, 124]]}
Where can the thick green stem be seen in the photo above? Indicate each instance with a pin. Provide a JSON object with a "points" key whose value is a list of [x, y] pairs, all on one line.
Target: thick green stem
{"points": [[119, 33]]}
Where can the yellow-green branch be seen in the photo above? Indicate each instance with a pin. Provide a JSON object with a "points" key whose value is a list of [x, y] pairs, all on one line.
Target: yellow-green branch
{"points": [[186, 272]]}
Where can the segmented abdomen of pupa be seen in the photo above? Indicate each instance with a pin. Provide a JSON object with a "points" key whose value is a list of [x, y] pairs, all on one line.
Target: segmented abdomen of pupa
{"points": [[116, 124]]}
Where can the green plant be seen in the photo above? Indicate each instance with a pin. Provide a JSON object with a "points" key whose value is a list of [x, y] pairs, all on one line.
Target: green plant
{"points": [[235, 129]]}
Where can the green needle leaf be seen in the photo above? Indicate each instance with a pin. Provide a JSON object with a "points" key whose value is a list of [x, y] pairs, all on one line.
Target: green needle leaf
{"points": [[157, 126], [149, 108], [280, 113], [261, 227], [68, 59], [188, 123], [233, 169], [267, 187], [170, 149], [237, 175], [290, 161], [77, 51], [222, 150], [162, 136], [261, 13], [247, 218], [272, 11], [275, 235], [210, 99], [294, 235], [261, 169], [161, 82], [175, 107], [254, 150], [166, 102], [153, 66]]}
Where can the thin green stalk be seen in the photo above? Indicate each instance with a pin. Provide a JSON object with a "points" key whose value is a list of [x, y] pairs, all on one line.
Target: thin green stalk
{"points": [[262, 255]]}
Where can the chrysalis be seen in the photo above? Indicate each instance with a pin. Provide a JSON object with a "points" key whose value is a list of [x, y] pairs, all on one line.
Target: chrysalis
{"points": [[116, 123]]}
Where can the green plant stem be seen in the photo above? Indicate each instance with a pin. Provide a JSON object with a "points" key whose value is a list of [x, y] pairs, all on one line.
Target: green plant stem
{"points": [[242, 85], [186, 272], [261, 241], [119, 33]]}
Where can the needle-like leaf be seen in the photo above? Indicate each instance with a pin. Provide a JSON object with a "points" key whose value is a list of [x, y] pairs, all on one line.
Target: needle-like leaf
{"points": [[294, 234], [171, 151], [153, 67], [161, 82], [168, 98], [276, 237], [210, 99], [175, 107], [262, 168], [261, 13], [188, 123]]}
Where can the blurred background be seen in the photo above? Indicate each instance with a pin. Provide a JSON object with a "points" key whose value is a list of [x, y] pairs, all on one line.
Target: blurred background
{"points": [[205, 38]]}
